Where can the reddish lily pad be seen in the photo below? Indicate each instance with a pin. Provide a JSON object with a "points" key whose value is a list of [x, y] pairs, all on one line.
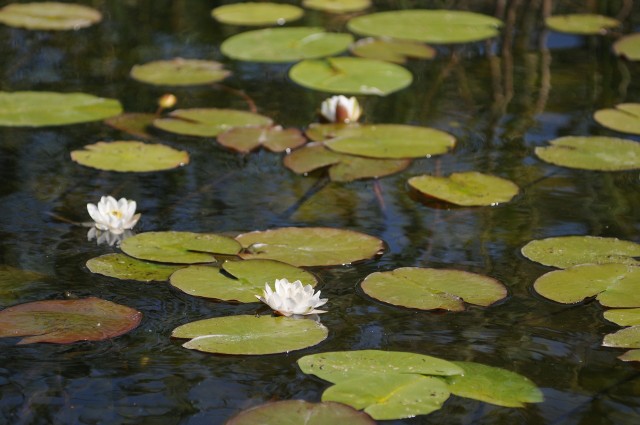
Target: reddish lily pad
{"points": [[296, 412], [275, 139]]}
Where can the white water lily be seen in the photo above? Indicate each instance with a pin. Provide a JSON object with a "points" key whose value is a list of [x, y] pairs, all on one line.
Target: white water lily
{"points": [[114, 216], [340, 109], [292, 298]]}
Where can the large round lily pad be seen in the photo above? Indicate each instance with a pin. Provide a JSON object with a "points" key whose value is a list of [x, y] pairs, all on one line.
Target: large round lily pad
{"points": [[592, 153], [296, 412], [250, 13], [179, 247], [130, 156], [431, 26], [41, 108], [124, 267], [53, 16], [337, 6], [310, 246], [347, 75], [179, 72], [467, 189], [289, 44], [251, 335], [430, 289], [275, 139], [581, 23], [209, 122], [625, 117], [389, 50], [67, 321], [628, 47]]}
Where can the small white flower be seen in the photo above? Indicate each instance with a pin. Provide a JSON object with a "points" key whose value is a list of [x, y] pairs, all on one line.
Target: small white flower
{"points": [[340, 109], [292, 298], [114, 216]]}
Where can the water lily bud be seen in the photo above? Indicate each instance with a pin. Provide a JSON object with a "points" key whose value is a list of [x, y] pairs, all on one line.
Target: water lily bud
{"points": [[340, 109], [167, 101]]}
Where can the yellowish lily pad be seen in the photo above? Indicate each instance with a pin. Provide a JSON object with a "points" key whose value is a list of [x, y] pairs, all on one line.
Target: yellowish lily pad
{"points": [[53, 16], [209, 122], [581, 23], [296, 412], [337, 6], [250, 13], [625, 117], [390, 50], [179, 72], [592, 153], [130, 156], [628, 47], [466, 189]]}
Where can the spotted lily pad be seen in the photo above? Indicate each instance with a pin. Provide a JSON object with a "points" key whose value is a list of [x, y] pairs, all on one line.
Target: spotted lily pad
{"points": [[296, 412], [625, 117], [52, 16], [67, 321], [289, 44], [179, 247], [467, 189], [237, 281], [39, 108], [592, 153], [310, 246], [251, 335], [124, 267], [581, 23], [337, 6], [208, 122], [249, 13], [179, 72], [389, 50], [430, 289], [130, 156], [347, 75], [246, 139], [133, 123], [628, 47]]}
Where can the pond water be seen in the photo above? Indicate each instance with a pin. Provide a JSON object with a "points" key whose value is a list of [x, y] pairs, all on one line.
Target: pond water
{"points": [[500, 99]]}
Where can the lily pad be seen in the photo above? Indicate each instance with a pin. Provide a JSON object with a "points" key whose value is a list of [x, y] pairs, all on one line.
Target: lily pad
{"points": [[251, 335], [624, 338], [430, 289], [630, 356], [237, 281], [623, 316], [180, 72], [431, 26], [592, 153], [130, 156], [389, 50], [246, 139], [628, 47], [133, 123], [67, 321], [249, 13], [467, 189], [625, 117], [13, 280], [124, 267], [567, 251], [289, 44], [209, 122], [310, 246], [613, 285], [52, 16], [346, 75], [581, 23], [40, 108], [179, 247], [337, 6]]}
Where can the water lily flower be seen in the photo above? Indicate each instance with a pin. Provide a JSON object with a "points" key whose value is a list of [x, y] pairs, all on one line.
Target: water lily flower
{"points": [[114, 216], [292, 298], [340, 109]]}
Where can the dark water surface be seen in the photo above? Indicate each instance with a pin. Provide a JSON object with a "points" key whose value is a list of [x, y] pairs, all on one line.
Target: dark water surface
{"points": [[500, 99]]}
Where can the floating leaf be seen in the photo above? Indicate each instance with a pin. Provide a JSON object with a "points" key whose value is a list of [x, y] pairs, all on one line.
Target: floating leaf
{"points": [[625, 117], [567, 251], [39, 109], [348, 75], [249, 13], [592, 153], [389, 50], [237, 281], [430, 289], [180, 72], [623, 316], [431, 26], [246, 139], [251, 335], [13, 280], [289, 44], [624, 338], [67, 321], [310, 246], [628, 47], [581, 23], [467, 189], [130, 156], [296, 412], [179, 247], [134, 123], [337, 6], [127, 268], [49, 16], [630, 356], [208, 122]]}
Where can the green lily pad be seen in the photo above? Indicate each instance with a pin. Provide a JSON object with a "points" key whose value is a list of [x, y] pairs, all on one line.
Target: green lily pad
{"points": [[625, 117], [237, 281], [493, 385], [431, 26], [624, 338], [337, 6], [130, 156], [246, 139], [310, 246], [389, 50], [289, 44], [613, 285], [127, 268], [133, 123], [296, 412], [628, 47], [67, 321], [630, 356], [346, 75], [430, 289], [179, 247], [623, 316], [342, 168], [251, 335], [209, 122], [52, 16], [592, 153], [179, 72], [567, 251], [581, 23], [467, 189], [249, 13], [39, 109]]}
